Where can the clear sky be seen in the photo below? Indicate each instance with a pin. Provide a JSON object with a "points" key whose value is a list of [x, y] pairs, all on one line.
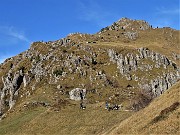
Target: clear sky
{"points": [[25, 21]]}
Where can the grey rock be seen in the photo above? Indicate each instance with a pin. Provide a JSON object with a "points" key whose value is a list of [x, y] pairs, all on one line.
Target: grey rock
{"points": [[131, 35], [75, 94], [10, 89], [38, 71], [26, 80], [160, 84], [112, 55], [128, 77]]}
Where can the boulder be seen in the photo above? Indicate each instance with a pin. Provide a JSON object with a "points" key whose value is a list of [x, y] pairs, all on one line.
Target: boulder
{"points": [[75, 94]]}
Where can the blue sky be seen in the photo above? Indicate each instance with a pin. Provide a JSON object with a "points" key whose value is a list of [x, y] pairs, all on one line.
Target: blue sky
{"points": [[25, 21]]}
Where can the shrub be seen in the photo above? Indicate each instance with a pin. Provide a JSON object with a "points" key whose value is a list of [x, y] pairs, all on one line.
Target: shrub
{"points": [[112, 82], [64, 50], [58, 72], [104, 29], [94, 61], [164, 113], [169, 109], [38, 58], [21, 68], [142, 99], [59, 103]]}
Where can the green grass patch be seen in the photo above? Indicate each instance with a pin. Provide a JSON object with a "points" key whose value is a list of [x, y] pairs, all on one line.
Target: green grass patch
{"points": [[13, 123]]}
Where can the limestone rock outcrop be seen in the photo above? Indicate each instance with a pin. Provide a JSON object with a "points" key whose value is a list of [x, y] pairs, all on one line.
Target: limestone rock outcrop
{"points": [[10, 90], [129, 63]]}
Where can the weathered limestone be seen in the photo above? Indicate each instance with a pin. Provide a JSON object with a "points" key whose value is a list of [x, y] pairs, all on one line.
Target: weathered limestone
{"points": [[131, 35], [75, 94], [10, 89], [38, 71], [160, 84], [130, 63], [26, 80]]}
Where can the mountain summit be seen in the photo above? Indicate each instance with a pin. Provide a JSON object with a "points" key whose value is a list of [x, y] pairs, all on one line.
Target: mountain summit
{"points": [[125, 64], [130, 25]]}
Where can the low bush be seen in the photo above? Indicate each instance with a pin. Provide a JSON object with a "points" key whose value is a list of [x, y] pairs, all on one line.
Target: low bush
{"points": [[142, 99], [165, 112], [58, 72]]}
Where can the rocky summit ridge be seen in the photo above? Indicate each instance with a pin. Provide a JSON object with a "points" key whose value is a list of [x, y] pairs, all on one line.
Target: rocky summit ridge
{"points": [[115, 64]]}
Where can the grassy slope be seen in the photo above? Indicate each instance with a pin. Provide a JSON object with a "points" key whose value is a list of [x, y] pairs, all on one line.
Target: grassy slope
{"points": [[142, 121], [71, 120], [13, 123]]}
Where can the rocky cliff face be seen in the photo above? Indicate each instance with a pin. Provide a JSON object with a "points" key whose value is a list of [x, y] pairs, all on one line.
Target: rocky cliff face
{"points": [[9, 92], [83, 61], [130, 64]]}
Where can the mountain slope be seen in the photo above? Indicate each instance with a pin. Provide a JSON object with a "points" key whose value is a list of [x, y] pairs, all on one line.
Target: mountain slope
{"points": [[126, 63], [162, 116]]}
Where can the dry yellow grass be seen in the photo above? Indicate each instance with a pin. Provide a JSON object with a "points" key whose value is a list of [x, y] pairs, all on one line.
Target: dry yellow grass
{"points": [[141, 122], [68, 121]]}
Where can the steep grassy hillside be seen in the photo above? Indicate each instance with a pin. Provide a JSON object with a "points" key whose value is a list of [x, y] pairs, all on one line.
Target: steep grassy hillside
{"points": [[162, 116]]}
